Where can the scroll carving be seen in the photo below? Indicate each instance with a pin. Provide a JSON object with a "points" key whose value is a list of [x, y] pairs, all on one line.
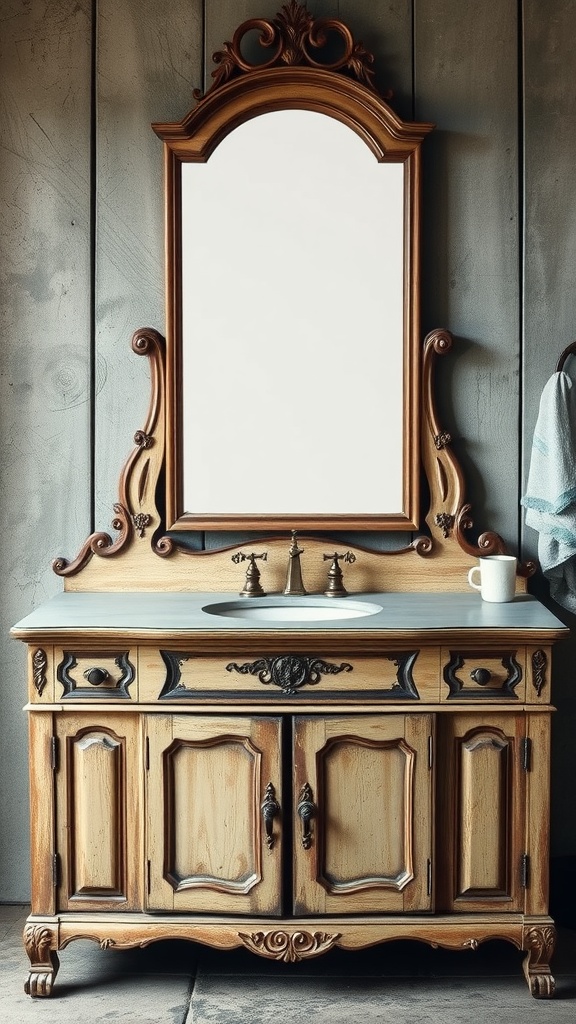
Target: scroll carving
{"points": [[148, 342], [39, 665], [292, 38], [290, 947], [449, 512], [289, 671]]}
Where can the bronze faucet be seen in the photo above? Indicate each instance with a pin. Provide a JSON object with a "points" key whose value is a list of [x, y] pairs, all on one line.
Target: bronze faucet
{"points": [[294, 584], [252, 586], [336, 586]]}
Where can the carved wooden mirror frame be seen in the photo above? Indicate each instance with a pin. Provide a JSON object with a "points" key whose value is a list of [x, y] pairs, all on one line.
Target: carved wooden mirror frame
{"points": [[141, 521], [291, 78]]}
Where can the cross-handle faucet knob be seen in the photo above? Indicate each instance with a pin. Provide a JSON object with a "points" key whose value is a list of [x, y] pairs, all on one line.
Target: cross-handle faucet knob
{"points": [[336, 586], [252, 586]]}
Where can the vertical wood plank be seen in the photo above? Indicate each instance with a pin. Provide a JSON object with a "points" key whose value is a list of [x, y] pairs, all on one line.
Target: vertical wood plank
{"points": [[149, 62], [466, 82], [44, 324], [550, 310]]}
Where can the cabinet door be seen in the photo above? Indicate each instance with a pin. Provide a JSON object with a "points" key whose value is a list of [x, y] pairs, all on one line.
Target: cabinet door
{"points": [[208, 845], [482, 797], [98, 812], [363, 814]]}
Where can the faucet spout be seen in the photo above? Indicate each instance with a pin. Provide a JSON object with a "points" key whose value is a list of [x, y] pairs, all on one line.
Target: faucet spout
{"points": [[294, 584]]}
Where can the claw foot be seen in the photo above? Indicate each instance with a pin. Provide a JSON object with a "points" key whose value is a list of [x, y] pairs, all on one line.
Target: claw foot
{"points": [[44, 963], [539, 943]]}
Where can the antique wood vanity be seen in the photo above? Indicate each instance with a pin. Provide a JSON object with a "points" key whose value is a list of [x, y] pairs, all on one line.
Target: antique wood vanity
{"points": [[290, 772]]}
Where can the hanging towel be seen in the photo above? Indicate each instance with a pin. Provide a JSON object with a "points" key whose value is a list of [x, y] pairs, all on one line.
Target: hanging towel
{"points": [[550, 499]]}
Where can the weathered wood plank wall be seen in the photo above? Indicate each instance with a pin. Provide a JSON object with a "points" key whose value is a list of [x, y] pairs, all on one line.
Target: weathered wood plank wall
{"points": [[549, 307], [499, 247], [45, 492]]}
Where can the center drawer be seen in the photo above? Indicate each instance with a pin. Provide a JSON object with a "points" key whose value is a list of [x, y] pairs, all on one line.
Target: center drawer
{"points": [[400, 674]]}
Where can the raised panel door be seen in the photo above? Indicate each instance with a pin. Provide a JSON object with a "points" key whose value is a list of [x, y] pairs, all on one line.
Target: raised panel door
{"points": [[98, 812], [214, 813], [483, 800], [363, 814]]}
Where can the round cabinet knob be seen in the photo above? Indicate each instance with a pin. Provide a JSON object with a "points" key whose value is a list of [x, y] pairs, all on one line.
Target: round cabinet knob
{"points": [[96, 676], [482, 676]]}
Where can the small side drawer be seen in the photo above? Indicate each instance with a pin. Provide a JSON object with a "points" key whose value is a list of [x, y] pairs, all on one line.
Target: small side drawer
{"points": [[484, 674], [397, 675], [95, 674]]}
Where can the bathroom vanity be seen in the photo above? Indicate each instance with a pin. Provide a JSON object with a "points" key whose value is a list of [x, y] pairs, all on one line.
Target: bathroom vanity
{"points": [[290, 772]]}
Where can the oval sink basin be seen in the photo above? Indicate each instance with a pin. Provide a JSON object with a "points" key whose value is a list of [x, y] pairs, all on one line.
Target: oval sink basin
{"points": [[289, 609]]}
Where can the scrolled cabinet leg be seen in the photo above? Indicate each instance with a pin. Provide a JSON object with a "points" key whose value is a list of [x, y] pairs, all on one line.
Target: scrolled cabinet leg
{"points": [[539, 943], [39, 941]]}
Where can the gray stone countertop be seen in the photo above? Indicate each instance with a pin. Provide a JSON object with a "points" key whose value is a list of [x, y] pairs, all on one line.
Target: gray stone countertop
{"points": [[185, 613]]}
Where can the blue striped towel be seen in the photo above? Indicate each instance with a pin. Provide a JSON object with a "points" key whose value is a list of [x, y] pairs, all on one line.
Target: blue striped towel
{"points": [[550, 499]]}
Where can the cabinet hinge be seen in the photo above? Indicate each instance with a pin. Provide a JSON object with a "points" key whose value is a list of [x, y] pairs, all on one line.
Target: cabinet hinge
{"points": [[54, 753], [55, 870], [430, 751], [526, 753], [428, 877], [147, 753], [148, 876], [525, 871]]}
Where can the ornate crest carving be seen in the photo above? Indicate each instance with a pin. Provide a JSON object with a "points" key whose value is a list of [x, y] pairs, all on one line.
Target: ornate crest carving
{"points": [[293, 37], [289, 946], [289, 671]]}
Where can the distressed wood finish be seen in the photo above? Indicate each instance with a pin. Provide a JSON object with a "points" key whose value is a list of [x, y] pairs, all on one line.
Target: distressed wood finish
{"points": [[206, 840], [370, 844], [484, 796], [98, 794]]}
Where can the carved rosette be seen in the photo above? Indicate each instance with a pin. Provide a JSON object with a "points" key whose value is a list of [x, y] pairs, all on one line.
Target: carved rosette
{"points": [[39, 665], [445, 522], [289, 671], [292, 38], [290, 947]]}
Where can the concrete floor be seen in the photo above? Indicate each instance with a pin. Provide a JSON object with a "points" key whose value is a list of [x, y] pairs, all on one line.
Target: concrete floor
{"points": [[179, 983]]}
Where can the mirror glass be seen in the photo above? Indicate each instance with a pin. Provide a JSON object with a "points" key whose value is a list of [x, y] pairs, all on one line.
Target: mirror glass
{"points": [[294, 341]]}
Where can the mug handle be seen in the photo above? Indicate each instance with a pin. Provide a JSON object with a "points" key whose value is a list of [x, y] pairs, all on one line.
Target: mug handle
{"points": [[477, 586]]}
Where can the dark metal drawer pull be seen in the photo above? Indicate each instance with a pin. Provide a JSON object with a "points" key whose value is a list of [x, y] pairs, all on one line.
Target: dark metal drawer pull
{"points": [[482, 676], [96, 676]]}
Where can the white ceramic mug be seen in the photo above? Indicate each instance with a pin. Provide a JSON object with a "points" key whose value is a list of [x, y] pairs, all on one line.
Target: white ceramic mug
{"points": [[497, 577]]}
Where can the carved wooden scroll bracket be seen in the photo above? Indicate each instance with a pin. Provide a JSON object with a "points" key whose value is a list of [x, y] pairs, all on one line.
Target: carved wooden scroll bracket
{"points": [[450, 516], [294, 38], [135, 511]]}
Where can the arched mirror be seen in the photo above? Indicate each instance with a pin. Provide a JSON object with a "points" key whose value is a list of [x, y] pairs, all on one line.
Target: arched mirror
{"points": [[293, 338]]}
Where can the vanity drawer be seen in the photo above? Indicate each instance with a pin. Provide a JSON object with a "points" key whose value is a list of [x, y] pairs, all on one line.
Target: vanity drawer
{"points": [[484, 674], [96, 674], [405, 674]]}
